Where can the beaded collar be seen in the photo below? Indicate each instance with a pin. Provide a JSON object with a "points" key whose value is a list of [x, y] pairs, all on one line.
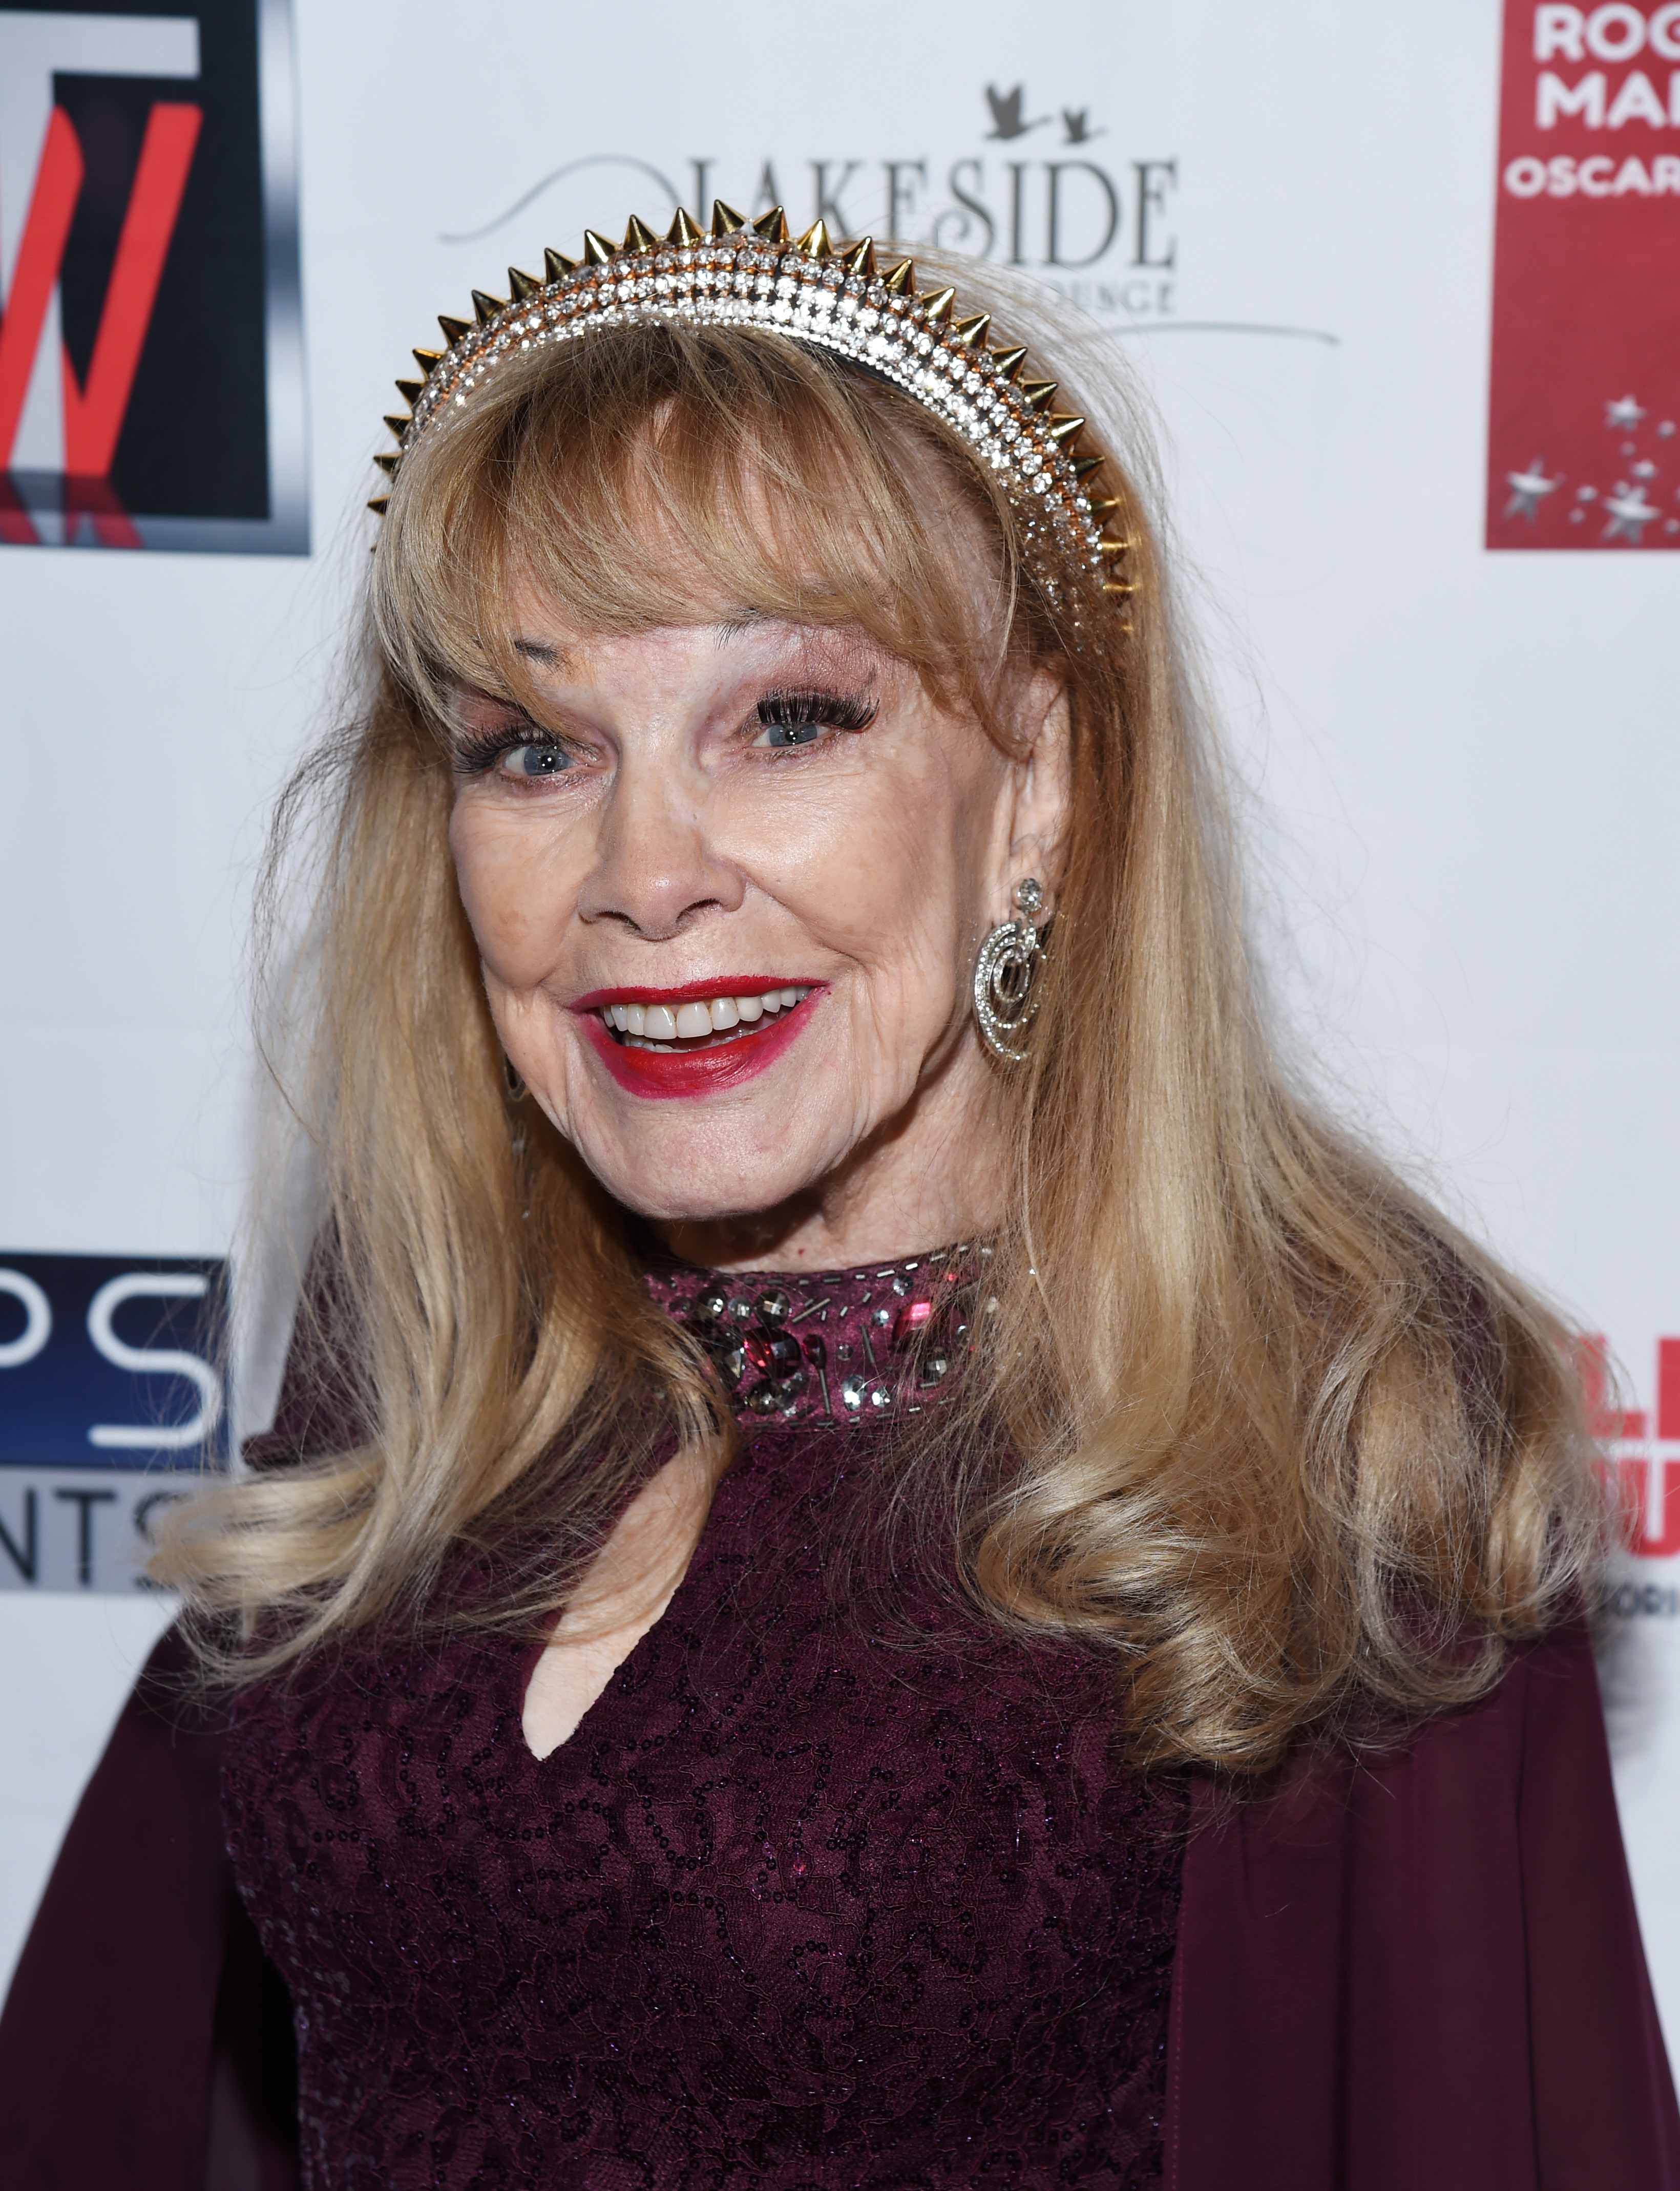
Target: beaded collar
{"points": [[840, 1347]]}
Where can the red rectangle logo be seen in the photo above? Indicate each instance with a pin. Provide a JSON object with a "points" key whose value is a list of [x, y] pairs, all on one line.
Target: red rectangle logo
{"points": [[1583, 418]]}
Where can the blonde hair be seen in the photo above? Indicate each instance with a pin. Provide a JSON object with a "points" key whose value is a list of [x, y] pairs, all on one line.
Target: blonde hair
{"points": [[1279, 1439]]}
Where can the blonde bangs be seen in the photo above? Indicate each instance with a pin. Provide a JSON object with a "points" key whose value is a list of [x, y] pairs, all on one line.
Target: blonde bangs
{"points": [[657, 475]]}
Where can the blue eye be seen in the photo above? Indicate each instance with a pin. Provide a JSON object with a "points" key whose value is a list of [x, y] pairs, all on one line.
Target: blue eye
{"points": [[534, 760], [800, 719], [520, 750]]}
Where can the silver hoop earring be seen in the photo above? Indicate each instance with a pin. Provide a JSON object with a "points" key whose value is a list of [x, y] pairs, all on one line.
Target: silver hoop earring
{"points": [[1006, 977]]}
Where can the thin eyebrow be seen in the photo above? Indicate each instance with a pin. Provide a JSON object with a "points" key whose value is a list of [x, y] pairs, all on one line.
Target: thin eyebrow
{"points": [[730, 629], [537, 649]]}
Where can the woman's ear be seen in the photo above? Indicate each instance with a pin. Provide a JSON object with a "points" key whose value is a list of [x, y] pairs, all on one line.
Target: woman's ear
{"points": [[1042, 783]]}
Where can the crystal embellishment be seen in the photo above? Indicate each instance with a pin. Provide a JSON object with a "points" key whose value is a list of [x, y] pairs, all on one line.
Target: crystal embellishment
{"points": [[922, 342], [844, 1347]]}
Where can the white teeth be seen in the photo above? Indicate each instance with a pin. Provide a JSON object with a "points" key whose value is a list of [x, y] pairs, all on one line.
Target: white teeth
{"points": [[659, 1025]]}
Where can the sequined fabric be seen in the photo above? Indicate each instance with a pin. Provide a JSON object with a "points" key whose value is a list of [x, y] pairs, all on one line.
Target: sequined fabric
{"points": [[796, 1908], [835, 1346]]}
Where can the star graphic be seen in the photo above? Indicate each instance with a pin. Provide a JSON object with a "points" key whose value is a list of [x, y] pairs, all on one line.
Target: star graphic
{"points": [[1630, 513], [1626, 412], [1527, 489]]}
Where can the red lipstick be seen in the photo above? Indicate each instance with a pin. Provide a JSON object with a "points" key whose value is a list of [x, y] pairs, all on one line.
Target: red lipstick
{"points": [[664, 1073]]}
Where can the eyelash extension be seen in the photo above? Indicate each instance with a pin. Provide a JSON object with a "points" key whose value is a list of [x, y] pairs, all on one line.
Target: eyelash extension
{"points": [[478, 752], [846, 711]]}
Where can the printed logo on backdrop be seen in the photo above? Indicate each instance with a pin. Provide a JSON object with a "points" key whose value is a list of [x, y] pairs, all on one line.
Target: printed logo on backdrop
{"points": [[150, 364], [1584, 431], [111, 1401], [1030, 182], [1642, 1447]]}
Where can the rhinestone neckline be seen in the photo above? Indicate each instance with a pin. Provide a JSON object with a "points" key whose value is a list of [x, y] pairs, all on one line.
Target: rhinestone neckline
{"points": [[839, 1348]]}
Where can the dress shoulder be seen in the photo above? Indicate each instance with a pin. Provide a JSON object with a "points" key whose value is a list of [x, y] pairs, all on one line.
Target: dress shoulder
{"points": [[145, 2040], [1425, 1967]]}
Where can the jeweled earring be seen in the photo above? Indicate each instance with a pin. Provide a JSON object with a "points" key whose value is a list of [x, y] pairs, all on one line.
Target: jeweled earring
{"points": [[1006, 977]]}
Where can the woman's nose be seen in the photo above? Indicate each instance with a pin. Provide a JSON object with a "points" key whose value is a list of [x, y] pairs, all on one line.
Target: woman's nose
{"points": [[656, 866]]}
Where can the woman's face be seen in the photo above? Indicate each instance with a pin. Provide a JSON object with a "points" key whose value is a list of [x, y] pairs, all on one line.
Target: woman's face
{"points": [[728, 881]]}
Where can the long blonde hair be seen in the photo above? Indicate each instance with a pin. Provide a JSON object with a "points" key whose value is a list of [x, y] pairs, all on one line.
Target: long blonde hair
{"points": [[1280, 1441]]}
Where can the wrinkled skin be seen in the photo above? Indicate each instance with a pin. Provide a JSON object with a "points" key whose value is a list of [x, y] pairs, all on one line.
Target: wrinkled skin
{"points": [[643, 826]]}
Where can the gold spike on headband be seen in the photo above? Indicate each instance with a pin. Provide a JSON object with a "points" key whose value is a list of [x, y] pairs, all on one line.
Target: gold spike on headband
{"points": [[741, 275]]}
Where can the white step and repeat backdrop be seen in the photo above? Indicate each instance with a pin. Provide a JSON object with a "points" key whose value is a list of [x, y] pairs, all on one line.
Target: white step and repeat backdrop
{"points": [[1434, 563]]}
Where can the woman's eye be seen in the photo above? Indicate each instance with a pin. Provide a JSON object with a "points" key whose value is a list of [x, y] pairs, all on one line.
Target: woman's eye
{"points": [[803, 718], [791, 734], [534, 760]]}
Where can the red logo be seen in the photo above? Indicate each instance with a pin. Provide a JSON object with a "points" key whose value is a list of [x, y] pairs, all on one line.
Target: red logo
{"points": [[92, 414], [1584, 419], [1648, 1476]]}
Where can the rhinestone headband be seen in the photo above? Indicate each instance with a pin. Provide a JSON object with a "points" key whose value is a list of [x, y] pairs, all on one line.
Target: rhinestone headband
{"points": [[832, 296]]}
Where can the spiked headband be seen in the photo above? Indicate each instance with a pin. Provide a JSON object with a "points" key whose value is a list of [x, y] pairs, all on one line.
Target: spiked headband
{"points": [[833, 296]]}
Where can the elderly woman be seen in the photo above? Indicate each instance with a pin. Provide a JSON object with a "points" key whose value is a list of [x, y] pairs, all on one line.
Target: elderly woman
{"points": [[885, 1561]]}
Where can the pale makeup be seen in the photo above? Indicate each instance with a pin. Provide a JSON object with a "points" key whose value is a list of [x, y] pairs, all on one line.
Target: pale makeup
{"points": [[766, 841]]}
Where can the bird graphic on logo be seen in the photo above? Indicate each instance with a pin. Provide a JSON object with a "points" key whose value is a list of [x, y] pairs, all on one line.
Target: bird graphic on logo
{"points": [[1006, 116], [1076, 120]]}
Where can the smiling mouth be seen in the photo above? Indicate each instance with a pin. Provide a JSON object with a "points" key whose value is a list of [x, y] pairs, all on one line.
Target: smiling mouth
{"points": [[699, 1023]]}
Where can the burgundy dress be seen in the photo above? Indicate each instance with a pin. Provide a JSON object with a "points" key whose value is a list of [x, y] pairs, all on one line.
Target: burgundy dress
{"points": [[794, 1905], [798, 1907]]}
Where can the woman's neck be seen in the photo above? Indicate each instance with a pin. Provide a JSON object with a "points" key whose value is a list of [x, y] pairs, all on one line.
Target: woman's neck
{"points": [[898, 1209]]}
